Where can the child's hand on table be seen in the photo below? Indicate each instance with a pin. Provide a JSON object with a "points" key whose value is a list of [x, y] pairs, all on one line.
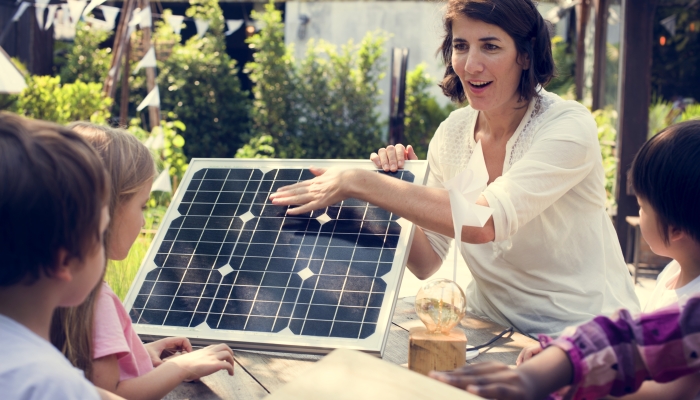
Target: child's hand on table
{"points": [[173, 345], [205, 361], [489, 379], [528, 352]]}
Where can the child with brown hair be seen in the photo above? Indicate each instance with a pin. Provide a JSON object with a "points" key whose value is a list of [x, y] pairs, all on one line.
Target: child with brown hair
{"points": [[98, 336], [53, 207]]}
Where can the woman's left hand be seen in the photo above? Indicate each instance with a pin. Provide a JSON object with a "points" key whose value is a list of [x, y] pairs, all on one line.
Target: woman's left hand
{"points": [[327, 188], [173, 344]]}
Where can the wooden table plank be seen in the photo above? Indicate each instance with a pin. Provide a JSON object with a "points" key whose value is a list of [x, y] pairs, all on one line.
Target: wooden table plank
{"points": [[240, 386]]}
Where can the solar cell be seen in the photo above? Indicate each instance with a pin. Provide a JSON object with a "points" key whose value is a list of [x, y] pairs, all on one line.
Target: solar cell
{"points": [[229, 265]]}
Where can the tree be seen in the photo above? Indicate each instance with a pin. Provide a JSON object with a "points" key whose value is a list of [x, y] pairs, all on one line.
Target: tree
{"points": [[423, 113], [323, 106]]}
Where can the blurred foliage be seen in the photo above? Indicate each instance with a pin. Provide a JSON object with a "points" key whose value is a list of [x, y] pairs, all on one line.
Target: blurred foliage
{"points": [[606, 119], [85, 60], [257, 147], [691, 112], [170, 157], [565, 62], [423, 113], [674, 69], [46, 98], [321, 107], [659, 112]]}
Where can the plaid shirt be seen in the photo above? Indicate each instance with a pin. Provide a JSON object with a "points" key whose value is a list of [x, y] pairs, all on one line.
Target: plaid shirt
{"points": [[613, 356]]}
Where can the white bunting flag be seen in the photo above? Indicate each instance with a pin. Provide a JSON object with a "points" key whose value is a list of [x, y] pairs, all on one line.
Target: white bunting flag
{"points": [[153, 99], [202, 26], [93, 4], [39, 8], [157, 139], [148, 60], [20, 10], [233, 25], [464, 190], [110, 14], [50, 16], [146, 18], [175, 22], [670, 24], [11, 80], [142, 18], [162, 182], [65, 11], [76, 9]]}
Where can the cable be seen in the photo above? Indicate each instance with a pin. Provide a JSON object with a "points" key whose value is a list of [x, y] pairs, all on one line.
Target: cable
{"points": [[500, 335]]}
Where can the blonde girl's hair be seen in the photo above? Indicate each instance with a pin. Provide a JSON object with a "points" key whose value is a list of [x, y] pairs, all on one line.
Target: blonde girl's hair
{"points": [[130, 165]]}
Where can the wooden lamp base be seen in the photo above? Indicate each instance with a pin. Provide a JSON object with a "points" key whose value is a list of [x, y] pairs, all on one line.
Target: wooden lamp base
{"points": [[436, 352]]}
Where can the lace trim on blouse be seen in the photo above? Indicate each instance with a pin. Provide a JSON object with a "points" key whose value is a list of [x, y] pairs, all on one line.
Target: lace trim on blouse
{"points": [[456, 144], [524, 140]]}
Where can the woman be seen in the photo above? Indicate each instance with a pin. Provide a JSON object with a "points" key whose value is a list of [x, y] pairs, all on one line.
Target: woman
{"points": [[549, 256]]}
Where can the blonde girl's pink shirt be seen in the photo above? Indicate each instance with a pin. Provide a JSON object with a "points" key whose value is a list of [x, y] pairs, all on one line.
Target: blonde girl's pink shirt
{"points": [[114, 334]]}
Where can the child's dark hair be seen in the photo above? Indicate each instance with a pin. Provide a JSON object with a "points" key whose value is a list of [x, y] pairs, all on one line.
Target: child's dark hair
{"points": [[666, 174], [52, 191]]}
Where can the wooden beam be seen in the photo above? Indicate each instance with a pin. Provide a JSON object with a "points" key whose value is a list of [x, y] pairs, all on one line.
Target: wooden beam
{"points": [[635, 96], [121, 36], [599, 53], [153, 111], [582, 13]]}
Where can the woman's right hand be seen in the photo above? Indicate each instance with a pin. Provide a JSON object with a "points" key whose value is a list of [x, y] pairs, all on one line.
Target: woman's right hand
{"points": [[392, 157], [205, 361]]}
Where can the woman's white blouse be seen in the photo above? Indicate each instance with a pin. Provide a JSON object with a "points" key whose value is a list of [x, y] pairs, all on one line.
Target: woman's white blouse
{"points": [[556, 260]]}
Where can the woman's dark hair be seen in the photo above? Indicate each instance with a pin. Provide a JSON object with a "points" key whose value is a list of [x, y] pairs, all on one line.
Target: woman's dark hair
{"points": [[665, 173], [521, 20]]}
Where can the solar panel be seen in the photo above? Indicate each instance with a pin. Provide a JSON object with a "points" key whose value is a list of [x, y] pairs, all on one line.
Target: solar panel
{"points": [[229, 266]]}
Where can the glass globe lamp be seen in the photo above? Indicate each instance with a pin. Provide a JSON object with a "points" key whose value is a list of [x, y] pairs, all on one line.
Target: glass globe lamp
{"points": [[440, 304]]}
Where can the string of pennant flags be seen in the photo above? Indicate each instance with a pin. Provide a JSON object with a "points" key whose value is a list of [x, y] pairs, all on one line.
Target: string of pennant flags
{"points": [[74, 10]]}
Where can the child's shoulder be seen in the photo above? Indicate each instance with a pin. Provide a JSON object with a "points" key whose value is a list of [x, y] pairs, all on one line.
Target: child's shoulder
{"points": [[33, 369]]}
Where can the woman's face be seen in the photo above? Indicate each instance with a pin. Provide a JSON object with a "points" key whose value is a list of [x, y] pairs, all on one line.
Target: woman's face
{"points": [[128, 221], [485, 58]]}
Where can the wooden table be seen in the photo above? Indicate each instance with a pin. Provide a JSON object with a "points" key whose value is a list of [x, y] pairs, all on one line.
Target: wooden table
{"points": [[259, 373]]}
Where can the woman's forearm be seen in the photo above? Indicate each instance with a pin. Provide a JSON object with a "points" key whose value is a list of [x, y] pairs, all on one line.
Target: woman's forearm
{"points": [[423, 261], [426, 207]]}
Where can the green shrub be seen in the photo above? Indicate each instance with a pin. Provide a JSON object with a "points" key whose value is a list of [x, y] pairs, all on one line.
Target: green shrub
{"points": [[200, 85], [606, 119], [565, 62], [691, 112], [46, 98], [257, 147], [423, 113], [321, 107], [85, 60]]}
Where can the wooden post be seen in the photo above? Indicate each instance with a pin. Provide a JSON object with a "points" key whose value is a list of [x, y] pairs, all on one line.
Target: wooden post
{"points": [[124, 104], [599, 53], [582, 12], [121, 36], [635, 96], [153, 111], [436, 352]]}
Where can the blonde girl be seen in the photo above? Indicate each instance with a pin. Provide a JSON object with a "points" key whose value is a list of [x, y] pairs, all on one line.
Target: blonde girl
{"points": [[98, 336]]}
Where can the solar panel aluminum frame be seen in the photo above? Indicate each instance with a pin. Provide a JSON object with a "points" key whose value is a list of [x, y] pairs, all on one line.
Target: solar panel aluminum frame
{"points": [[269, 341]]}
